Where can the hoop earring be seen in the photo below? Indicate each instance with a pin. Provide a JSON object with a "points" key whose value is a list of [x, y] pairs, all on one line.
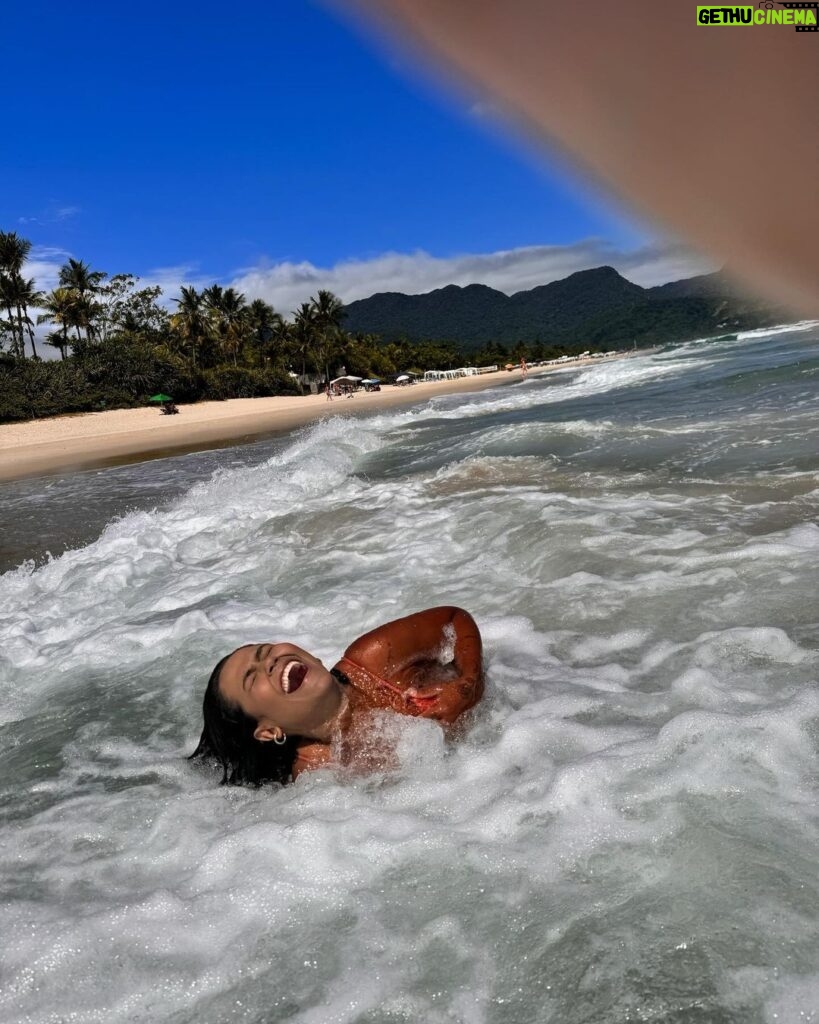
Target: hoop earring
{"points": [[280, 740]]}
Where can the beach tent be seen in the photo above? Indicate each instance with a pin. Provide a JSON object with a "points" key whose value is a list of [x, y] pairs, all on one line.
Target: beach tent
{"points": [[348, 379]]}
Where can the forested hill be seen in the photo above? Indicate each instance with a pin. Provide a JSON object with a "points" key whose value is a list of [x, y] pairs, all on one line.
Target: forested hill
{"points": [[590, 308]]}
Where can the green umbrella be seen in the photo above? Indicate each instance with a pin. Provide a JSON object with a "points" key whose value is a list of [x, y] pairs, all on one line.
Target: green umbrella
{"points": [[160, 398]]}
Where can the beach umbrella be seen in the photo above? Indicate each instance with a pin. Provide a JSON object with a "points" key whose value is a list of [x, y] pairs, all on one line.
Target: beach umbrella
{"points": [[404, 376], [160, 398]]}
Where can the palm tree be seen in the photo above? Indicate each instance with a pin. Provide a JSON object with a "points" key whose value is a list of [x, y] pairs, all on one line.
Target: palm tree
{"points": [[328, 312], [233, 311], [18, 293], [227, 310], [212, 318], [188, 321], [282, 342], [27, 295], [59, 309], [212, 296], [14, 252], [264, 323], [85, 283], [11, 325], [56, 340], [328, 309], [302, 333], [79, 276]]}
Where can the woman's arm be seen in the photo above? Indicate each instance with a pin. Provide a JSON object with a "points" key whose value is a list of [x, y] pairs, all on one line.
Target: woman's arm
{"points": [[436, 654]]}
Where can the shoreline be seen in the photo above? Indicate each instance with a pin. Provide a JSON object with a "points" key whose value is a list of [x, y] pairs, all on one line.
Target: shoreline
{"points": [[92, 440]]}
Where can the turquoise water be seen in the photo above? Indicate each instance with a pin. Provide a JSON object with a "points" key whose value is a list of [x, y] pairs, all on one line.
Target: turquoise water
{"points": [[626, 833]]}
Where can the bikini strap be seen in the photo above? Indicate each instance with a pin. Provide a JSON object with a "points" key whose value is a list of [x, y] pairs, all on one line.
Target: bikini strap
{"points": [[420, 702], [372, 675]]}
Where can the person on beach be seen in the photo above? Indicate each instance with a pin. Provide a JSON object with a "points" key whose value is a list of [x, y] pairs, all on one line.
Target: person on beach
{"points": [[273, 711]]}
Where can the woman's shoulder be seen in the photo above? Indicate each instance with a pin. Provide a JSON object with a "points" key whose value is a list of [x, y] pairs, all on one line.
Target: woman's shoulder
{"points": [[405, 627]]}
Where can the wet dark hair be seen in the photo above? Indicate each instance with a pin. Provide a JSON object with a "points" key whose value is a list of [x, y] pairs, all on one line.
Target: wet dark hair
{"points": [[227, 739]]}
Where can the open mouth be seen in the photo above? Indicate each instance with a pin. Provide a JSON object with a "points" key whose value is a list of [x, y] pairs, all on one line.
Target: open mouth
{"points": [[293, 676]]}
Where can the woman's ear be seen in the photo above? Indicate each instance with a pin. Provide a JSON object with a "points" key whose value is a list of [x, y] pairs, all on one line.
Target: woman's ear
{"points": [[266, 733]]}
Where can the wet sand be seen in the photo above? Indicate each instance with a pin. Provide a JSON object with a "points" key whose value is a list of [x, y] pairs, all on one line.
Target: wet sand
{"points": [[85, 440]]}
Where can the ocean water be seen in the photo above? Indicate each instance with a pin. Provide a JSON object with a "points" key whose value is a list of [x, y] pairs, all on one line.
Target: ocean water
{"points": [[628, 829]]}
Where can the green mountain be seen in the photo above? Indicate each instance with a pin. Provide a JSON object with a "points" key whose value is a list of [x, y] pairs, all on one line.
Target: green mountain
{"points": [[590, 309]]}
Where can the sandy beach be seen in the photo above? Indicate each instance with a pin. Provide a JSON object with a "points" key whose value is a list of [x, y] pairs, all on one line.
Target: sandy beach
{"points": [[86, 440]]}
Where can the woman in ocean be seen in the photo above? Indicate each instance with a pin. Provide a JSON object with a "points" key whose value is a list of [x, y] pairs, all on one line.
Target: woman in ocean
{"points": [[273, 711]]}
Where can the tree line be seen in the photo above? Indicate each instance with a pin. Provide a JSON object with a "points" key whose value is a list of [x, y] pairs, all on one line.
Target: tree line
{"points": [[118, 343]]}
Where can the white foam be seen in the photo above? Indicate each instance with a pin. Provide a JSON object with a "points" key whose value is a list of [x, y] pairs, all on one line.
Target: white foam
{"points": [[626, 827], [765, 332]]}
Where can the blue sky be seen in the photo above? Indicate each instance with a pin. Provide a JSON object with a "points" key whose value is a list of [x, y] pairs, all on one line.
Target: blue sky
{"points": [[276, 146]]}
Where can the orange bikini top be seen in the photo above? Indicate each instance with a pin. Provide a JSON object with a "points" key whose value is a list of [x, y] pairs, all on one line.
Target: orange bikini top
{"points": [[419, 702]]}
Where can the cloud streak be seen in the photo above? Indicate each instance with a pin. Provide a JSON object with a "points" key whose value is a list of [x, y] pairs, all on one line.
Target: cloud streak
{"points": [[54, 214]]}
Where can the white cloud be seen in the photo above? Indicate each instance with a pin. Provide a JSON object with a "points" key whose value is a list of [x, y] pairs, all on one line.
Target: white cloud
{"points": [[66, 212], [287, 284], [52, 214], [171, 279], [43, 264]]}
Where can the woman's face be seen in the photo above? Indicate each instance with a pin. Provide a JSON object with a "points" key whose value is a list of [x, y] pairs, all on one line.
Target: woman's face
{"points": [[285, 689]]}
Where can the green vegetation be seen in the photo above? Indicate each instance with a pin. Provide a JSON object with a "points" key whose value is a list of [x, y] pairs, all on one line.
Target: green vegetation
{"points": [[118, 344]]}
